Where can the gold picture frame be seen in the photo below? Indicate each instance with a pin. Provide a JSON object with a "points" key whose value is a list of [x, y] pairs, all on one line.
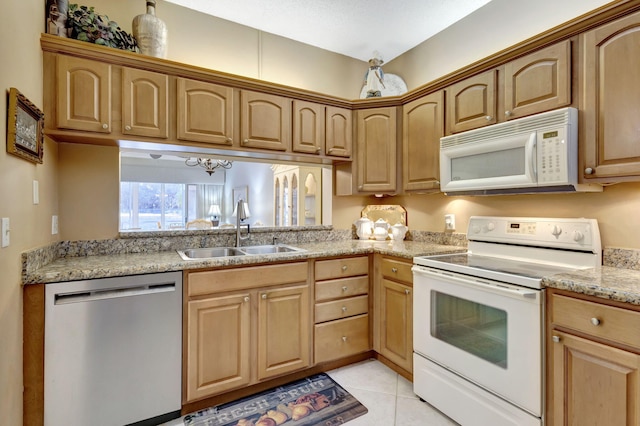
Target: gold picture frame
{"points": [[25, 125]]}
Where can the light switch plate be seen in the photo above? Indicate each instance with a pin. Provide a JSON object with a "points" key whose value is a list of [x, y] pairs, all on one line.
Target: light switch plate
{"points": [[54, 224], [36, 192], [6, 230], [450, 222]]}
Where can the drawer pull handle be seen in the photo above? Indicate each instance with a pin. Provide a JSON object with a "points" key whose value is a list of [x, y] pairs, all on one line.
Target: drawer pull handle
{"points": [[556, 339], [344, 309], [264, 295], [345, 288], [595, 321], [407, 291], [344, 338], [394, 270], [246, 298], [344, 268]]}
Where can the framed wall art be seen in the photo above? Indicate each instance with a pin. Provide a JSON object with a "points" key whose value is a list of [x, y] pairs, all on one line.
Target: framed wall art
{"points": [[25, 124]]}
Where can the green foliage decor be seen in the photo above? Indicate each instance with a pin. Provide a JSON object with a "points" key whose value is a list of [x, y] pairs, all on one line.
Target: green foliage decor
{"points": [[87, 25]]}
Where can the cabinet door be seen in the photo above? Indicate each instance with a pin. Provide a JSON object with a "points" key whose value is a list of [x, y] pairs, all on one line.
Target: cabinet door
{"points": [[423, 126], [145, 103], [396, 323], [611, 102], [308, 127], [472, 103], [377, 150], [83, 94], [339, 134], [594, 384], [218, 345], [205, 112], [538, 82], [284, 330], [266, 121]]}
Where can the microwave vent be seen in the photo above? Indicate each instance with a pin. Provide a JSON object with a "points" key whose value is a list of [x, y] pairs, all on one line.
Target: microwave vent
{"points": [[533, 123]]}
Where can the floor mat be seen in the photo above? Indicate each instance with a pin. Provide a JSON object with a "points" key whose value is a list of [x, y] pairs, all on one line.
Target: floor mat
{"points": [[315, 400]]}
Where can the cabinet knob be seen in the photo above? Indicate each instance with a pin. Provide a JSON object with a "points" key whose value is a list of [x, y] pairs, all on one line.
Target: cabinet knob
{"points": [[595, 321], [345, 288], [344, 268], [246, 298], [330, 149], [344, 338], [556, 339], [407, 291], [127, 128], [344, 309], [246, 141], [264, 295], [229, 140], [105, 126], [489, 118], [360, 188], [588, 171], [318, 149], [507, 113], [394, 270]]}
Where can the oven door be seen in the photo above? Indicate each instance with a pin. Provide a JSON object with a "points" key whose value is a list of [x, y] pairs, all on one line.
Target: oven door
{"points": [[485, 331]]}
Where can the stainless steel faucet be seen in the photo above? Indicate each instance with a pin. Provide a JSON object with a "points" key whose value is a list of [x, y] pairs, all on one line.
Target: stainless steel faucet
{"points": [[241, 215]]}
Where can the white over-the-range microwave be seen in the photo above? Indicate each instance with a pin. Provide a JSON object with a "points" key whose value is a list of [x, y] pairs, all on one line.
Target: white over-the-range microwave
{"points": [[533, 154]]}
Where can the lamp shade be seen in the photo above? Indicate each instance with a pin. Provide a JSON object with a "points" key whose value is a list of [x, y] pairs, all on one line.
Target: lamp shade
{"points": [[246, 212], [214, 210]]}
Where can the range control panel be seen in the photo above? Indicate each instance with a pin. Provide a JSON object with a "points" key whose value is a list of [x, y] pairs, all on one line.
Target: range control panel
{"points": [[573, 234]]}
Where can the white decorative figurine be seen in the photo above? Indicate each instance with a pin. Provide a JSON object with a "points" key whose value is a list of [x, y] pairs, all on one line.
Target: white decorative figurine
{"points": [[374, 78]]}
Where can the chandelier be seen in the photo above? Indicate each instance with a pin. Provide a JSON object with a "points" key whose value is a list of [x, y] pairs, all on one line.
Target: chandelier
{"points": [[208, 164]]}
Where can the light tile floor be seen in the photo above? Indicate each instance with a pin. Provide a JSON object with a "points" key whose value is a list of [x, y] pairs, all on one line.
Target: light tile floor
{"points": [[388, 396]]}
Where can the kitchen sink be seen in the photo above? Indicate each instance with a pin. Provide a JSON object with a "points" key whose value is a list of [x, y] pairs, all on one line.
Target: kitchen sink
{"points": [[269, 249], [215, 252], [208, 253]]}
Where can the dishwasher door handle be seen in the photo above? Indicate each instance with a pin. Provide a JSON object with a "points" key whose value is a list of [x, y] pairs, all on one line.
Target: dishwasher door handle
{"points": [[112, 293]]}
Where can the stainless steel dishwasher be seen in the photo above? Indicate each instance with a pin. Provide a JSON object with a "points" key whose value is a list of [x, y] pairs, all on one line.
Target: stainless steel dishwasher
{"points": [[113, 350]]}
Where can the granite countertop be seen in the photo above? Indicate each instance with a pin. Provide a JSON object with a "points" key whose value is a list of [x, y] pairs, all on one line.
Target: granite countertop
{"points": [[622, 285], [102, 266]]}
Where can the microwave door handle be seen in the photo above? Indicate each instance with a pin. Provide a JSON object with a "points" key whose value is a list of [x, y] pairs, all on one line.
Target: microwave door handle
{"points": [[530, 152]]}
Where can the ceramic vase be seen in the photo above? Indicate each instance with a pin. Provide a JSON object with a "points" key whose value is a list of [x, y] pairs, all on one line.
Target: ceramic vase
{"points": [[150, 32], [57, 11]]}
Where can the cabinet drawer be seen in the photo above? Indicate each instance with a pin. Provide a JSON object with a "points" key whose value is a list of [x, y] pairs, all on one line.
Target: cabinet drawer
{"points": [[397, 270], [339, 268], [341, 338], [615, 324], [342, 308], [345, 287], [207, 282]]}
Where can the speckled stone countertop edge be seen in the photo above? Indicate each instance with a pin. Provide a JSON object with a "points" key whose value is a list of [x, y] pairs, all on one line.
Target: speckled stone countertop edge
{"points": [[606, 282], [112, 265]]}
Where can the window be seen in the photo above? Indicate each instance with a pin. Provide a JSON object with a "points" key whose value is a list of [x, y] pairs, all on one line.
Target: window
{"points": [[151, 206]]}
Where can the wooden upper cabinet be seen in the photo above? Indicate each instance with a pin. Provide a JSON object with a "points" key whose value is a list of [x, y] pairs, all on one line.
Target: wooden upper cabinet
{"points": [[83, 94], [308, 127], [423, 126], [377, 150], [145, 103], [538, 82], [266, 121], [472, 103], [339, 133], [205, 112], [609, 132]]}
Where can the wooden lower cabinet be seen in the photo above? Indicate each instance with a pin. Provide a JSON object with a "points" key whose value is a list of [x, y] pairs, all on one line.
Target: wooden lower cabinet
{"points": [[244, 326], [342, 308], [593, 363], [393, 313]]}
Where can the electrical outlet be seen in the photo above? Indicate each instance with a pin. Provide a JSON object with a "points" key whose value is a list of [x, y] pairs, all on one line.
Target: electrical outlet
{"points": [[6, 232], [450, 222], [54, 224], [36, 192]]}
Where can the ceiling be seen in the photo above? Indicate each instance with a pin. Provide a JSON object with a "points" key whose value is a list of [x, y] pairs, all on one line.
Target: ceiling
{"points": [[355, 28]]}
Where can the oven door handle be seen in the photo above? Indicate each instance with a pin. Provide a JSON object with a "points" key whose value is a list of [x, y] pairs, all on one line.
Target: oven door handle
{"points": [[495, 287]]}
